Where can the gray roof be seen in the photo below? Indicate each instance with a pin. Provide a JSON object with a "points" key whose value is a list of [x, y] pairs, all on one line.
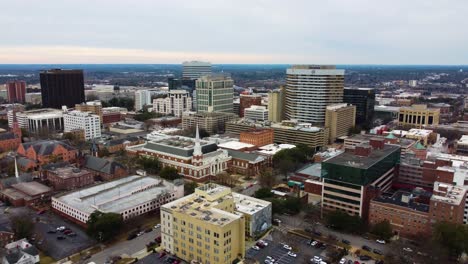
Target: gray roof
{"points": [[7, 182], [250, 157], [46, 147], [101, 165], [17, 254], [7, 135], [183, 152], [22, 161], [119, 141]]}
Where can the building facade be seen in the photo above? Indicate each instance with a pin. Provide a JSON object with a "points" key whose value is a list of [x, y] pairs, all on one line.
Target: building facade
{"points": [[10, 140], [129, 197], [45, 119], [275, 105], [309, 89], [212, 123], [256, 113], [215, 93], [89, 123], [364, 100], [177, 102], [41, 152], [193, 70], [69, 178], [62, 87], [16, 91], [95, 107], [418, 116], [247, 100], [257, 137], [339, 118]]}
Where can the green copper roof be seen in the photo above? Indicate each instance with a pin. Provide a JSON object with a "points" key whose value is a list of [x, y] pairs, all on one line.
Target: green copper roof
{"points": [[390, 136], [419, 146]]}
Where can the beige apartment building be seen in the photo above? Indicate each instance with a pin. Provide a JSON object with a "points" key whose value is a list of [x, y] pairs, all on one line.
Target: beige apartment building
{"points": [[339, 118], [94, 107], [275, 105]]}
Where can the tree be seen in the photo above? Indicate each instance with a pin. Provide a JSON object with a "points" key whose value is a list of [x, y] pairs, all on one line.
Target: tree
{"points": [[342, 221], [104, 226], [149, 164], [355, 130], [169, 173], [453, 237], [103, 152], [382, 230], [292, 205], [266, 179], [263, 193], [189, 187], [22, 226], [92, 97]]}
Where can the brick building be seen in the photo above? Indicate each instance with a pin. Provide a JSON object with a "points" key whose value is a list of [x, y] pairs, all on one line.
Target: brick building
{"points": [[10, 140], [69, 178], [247, 100], [244, 163], [103, 169], [257, 137], [116, 145], [111, 117], [45, 151], [26, 193], [16, 91]]}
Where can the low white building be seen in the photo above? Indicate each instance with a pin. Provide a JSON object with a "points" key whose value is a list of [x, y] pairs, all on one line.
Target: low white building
{"points": [[89, 123], [256, 112], [177, 102], [38, 119], [257, 213], [130, 197]]}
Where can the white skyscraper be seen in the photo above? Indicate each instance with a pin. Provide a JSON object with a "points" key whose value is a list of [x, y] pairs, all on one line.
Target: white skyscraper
{"points": [[142, 98], [177, 102], [309, 89], [89, 123], [194, 69]]}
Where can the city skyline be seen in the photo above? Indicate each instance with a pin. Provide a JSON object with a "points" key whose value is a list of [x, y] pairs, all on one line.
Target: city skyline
{"points": [[332, 32]]}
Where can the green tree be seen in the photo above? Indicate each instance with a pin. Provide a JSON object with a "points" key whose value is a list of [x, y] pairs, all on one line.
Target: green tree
{"points": [[169, 173], [382, 230], [355, 130], [22, 226], [149, 164], [453, 237], [104, 226], [189, 187], [266, 179], [292, 205], [263, 193], [103, 152], [342, 221]]}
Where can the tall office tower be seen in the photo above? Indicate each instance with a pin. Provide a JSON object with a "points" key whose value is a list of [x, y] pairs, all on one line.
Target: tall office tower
{"points": [[339, 118], [195, 69], [247, 100], [275, 105], [142, 98], [309, 89], [364, 100], [177, 102], [62, 87], [16, 91], [215, 93]]}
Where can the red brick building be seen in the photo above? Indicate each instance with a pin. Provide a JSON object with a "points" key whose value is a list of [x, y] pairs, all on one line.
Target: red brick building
{"points": [[103, 169], [246, 163], [247, 100], [111, 117], [69, 178], [10, 140], [45, 151], [16, 91], [257, 137], [116, 145]]}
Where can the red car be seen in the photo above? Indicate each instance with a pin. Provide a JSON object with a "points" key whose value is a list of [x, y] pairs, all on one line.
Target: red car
{"points": [[41, 212], [158, 239], [68, 231], [356, 262], [162, 254]]}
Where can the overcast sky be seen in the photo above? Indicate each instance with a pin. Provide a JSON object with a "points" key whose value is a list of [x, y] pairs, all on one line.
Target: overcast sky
{"points": [[237, 31]]}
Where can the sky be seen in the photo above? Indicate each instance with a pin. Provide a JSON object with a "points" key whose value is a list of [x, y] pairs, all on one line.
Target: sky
{"points": [[237, 31]]}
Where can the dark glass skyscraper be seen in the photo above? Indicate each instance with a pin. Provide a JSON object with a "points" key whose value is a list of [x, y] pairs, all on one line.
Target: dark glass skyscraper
{"points": [[62, 87], [364, 100]]}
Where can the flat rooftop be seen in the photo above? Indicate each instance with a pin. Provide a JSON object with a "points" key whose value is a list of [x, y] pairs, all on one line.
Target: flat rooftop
{"points": [[235, 145], [403, 142], [69, 172], [349, 159], [31, 188], [404, 199], [448, 193], [272, 149], [249, 205], [117, 196], [311, 170]]}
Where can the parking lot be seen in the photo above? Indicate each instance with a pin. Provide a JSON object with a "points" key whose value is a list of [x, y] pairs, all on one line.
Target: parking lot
{"points": [[276, 250], [154, 259]]}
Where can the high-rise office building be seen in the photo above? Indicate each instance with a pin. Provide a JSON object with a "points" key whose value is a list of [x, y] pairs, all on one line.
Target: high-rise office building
{"points": [[256, 113], [195, 69], [16, 91], [215, 93], [62, 87], [339, 118], [275, 105], [177, 102], [309, 89], [364, 100]]}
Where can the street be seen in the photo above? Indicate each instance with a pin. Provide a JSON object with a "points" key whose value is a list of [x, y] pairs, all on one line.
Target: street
{"points": [[128, 247]]}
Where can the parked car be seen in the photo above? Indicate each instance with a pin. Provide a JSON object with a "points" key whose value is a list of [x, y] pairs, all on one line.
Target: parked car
{"points": [[270, 259], [316, 259], [364, 257], [41, 212], [260, 245], [407, 249], [378, 252], [314, 243], [343, 261], [292, 254], [318, 245], [60, 228], [263, 242], [255, 248], [157, 226], [380, 241], [367, 248], [287, 247], [71, 234], [346, 242], [131, 236], [356, 262], [158, 239], [60, 238], [68, 231]]}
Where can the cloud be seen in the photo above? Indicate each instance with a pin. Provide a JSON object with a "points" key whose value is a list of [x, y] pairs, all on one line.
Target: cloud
{"points": [[244, 31]]}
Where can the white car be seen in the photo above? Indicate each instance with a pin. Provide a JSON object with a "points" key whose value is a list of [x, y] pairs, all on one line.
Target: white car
{"points": [[263, 242], [277, 221], [407, 249], [380, 241], [287, 247], [61, 228], [270, 258], [292, 254], [316, 259], [255, 247], [343, 261], [157, 226], [314, 243]]}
